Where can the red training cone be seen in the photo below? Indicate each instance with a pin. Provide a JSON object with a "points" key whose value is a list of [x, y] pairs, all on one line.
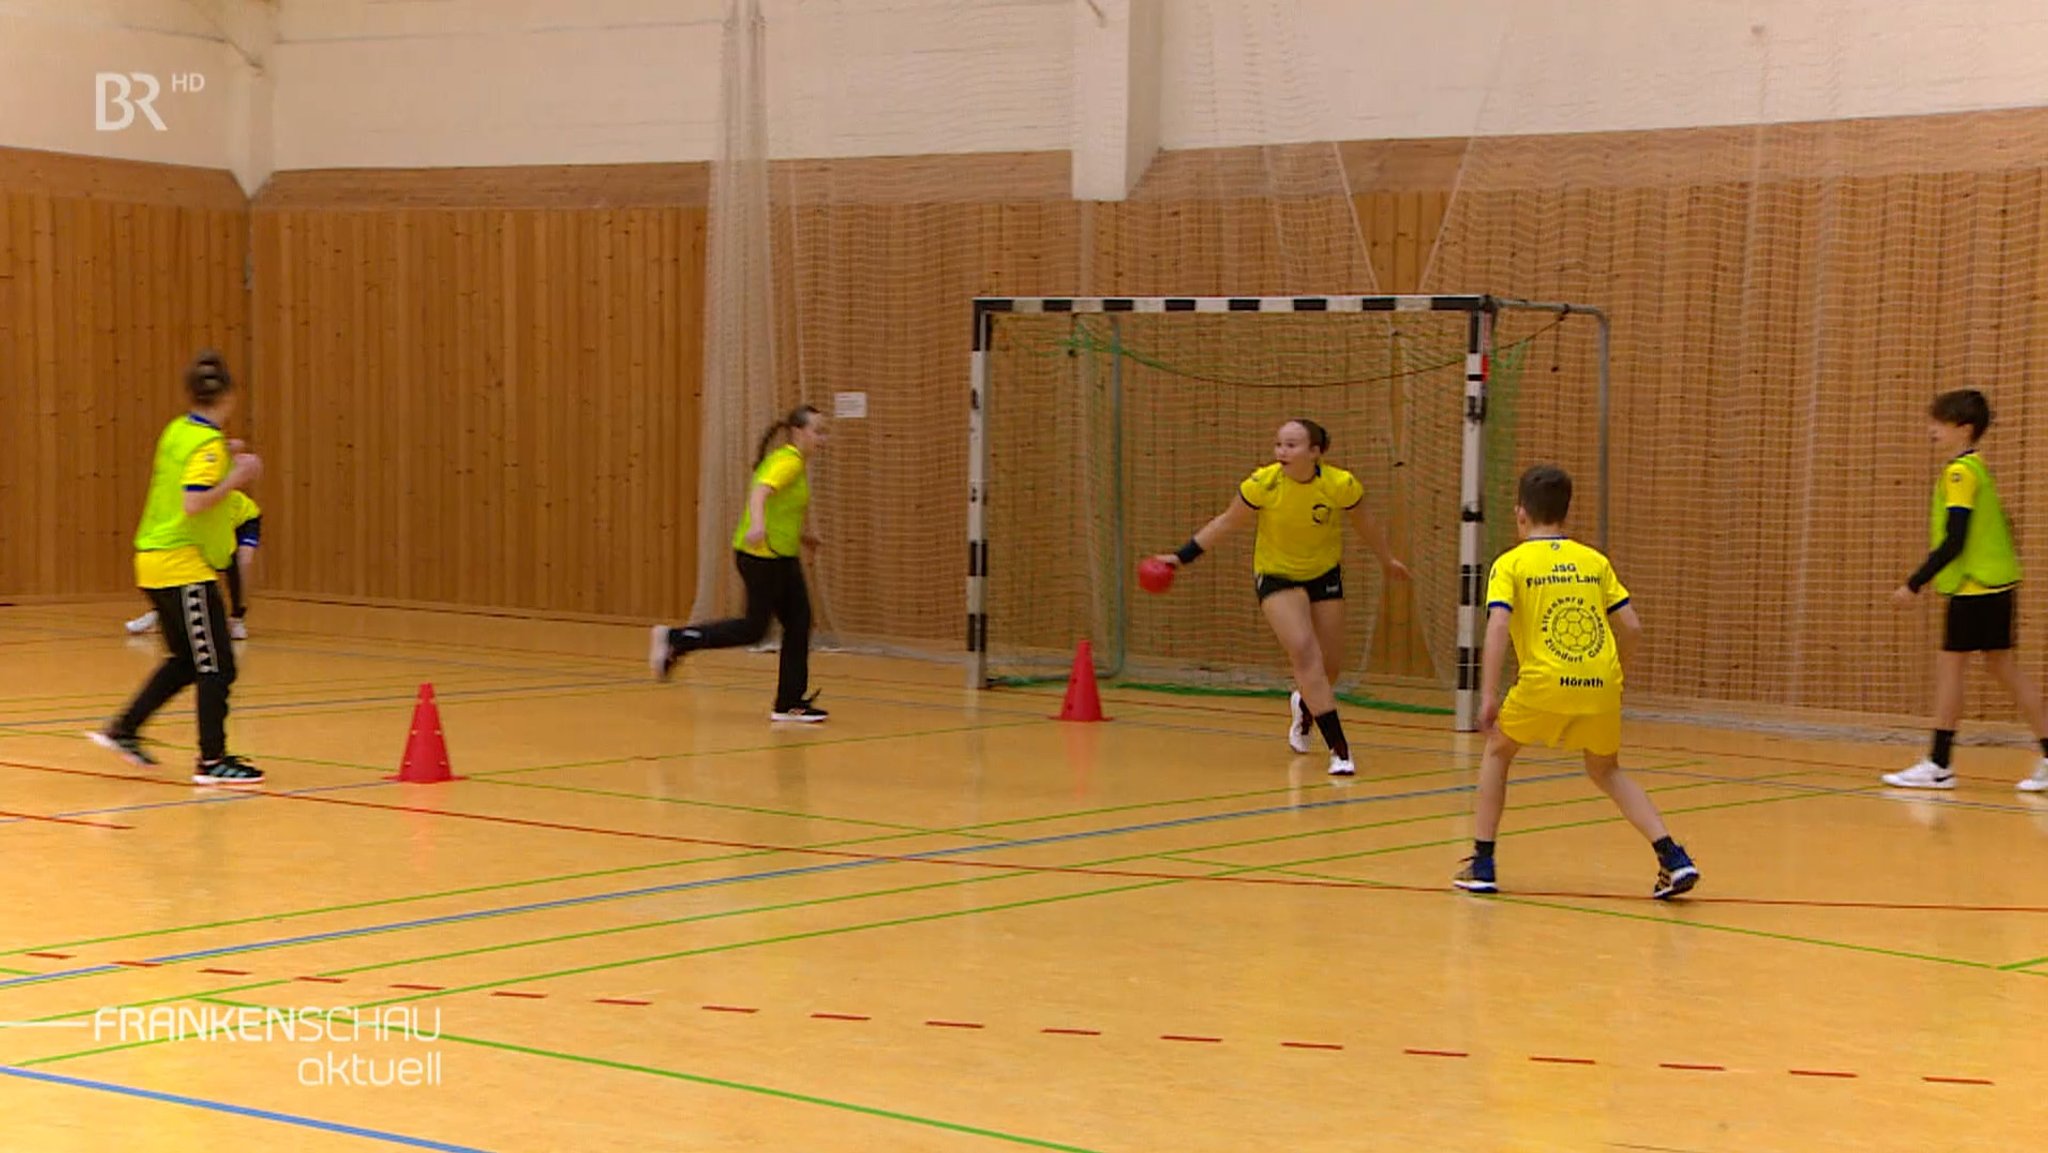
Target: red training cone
{"points": [[1083, 702], [426, 750]]}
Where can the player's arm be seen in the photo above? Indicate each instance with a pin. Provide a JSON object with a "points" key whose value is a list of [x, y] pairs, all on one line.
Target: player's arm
{"points": [[202, 492], [757, 513], [1239, 514], [1493, 659], [1628, 631], [1953, 534], [1375, 535]]}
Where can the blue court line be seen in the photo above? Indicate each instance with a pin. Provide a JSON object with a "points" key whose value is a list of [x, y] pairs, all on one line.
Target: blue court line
{"points": [[239, 1110], [770, 874]]}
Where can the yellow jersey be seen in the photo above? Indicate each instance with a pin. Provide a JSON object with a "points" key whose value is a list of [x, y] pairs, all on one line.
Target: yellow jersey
{"points": [[171, 548], [242, 508], [1559, 593], [783, 472], [1300, 536], [1990, 563]]}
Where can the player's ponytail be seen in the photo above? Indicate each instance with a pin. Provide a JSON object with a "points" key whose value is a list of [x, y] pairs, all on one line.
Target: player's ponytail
{"points": [[799, 417], [207, 379]]}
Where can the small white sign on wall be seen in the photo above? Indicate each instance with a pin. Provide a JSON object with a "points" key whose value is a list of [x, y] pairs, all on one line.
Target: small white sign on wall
{"points": [[850, 405]]}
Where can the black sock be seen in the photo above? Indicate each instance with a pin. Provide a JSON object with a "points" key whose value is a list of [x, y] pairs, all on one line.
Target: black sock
{"points": [[1333, 734], [1665, 847], [1482, 850], [1944, 743], [684, 640], [2044, 747]]}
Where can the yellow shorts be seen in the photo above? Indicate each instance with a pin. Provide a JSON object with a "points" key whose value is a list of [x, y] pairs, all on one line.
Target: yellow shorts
{"points": [[1596, 733]]}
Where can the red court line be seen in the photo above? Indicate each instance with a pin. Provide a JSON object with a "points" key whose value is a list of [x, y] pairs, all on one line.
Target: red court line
{"points": [[1434, 1053], [621, 1001], [1564, 1060], [52, 956], [323, 980], [1821, 1073], [228, 972], [63, 820], [1692, 1068], [841, 1017], [1308, 1045], [726, 1009], [1011, 867], [1187, 1037], [1073, 1032], [140, 964], [422, 988], [519, 995], [956, 1025], [1959, 1080]]}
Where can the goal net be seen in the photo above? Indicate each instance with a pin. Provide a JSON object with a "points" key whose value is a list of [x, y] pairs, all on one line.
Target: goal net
{"points": [[1106, 430]]}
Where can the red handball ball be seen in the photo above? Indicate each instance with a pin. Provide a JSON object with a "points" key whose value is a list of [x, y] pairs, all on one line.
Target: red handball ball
{"points": [[1154, 575]]}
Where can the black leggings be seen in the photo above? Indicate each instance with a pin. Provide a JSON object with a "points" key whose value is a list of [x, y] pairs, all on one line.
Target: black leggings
{"points": [[194, 625], [775, 588]]}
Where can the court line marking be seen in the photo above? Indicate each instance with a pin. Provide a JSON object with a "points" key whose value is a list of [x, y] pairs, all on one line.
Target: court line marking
{"points": [[237, 1110], [408, 898]]}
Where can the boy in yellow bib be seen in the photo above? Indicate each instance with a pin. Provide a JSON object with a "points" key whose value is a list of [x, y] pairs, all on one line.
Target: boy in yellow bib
{"points": [[1974, 564], [185, 538], [1572, 627]]}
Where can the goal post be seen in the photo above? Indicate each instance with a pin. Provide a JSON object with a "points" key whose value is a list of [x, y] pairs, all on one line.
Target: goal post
{"points": [[1083, 408]]}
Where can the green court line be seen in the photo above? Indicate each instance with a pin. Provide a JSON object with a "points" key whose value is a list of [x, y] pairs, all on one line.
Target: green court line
{"points": [[724, 1083], [1149, 883], [1625, 914], [981, 879], [756, 810], [2016, 966], [17, 972]]}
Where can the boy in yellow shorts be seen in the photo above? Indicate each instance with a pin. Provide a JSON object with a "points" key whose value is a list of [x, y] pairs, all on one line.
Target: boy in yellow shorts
{"points": [[1556, 598]]}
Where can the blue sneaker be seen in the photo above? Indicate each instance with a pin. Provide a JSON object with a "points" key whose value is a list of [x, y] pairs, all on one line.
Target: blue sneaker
{"points": [[1476, 876], [1676, 875]]}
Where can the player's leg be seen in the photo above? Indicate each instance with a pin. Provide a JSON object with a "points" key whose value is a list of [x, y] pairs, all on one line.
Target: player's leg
{"points": [[242, 574], [1287, 610], [669, 645], [793, 610], [1600, 740], [2004, 666], [1961, 635], [123, 733], [1491, 800], [1328, 617], [205, 624]]}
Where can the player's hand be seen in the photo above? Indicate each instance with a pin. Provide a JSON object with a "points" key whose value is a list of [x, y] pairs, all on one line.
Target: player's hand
{"points": [[1169, 559], [1396, 570], [1489, 716], [248, 466], [237, 446], [1902, 595], [756, 537]]}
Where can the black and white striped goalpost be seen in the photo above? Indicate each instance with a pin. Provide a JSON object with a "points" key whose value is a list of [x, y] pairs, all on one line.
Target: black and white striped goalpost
{"points": [[1480, 311]]}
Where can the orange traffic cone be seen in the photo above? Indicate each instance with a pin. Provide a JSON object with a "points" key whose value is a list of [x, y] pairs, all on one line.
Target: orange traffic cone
{"points": [[426, 750], [1083, 702]]}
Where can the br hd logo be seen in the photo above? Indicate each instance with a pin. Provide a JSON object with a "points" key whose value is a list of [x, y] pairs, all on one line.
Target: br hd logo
{"points": [[123, 94]]}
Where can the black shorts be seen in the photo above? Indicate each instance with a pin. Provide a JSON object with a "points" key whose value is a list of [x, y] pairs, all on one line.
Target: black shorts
{"points": [[1327, 587], [1980, 623], [249, 533]]}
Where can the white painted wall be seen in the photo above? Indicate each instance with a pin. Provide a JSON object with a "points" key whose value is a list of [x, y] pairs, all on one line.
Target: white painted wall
{"points": [[418, 83], [1244, 71], [52, 50]]}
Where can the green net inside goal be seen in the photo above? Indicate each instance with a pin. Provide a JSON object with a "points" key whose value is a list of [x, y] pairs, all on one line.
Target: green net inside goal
{"points": [[1112, 436]]}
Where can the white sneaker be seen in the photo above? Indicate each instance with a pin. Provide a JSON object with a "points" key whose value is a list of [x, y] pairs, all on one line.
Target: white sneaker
{"points": [[143, 623], [1299, 727], [1925, 775], [2038, 783], [238, 629], [1341, 766]]}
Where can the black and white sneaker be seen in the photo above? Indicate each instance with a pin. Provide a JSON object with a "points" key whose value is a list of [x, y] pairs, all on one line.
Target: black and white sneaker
{"points": [[804, 712], [661, 652], [229, 770], [128, 748]]}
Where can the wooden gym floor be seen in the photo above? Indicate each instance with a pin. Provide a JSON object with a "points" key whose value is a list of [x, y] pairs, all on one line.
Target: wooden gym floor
{"points": [[647, 920]]}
